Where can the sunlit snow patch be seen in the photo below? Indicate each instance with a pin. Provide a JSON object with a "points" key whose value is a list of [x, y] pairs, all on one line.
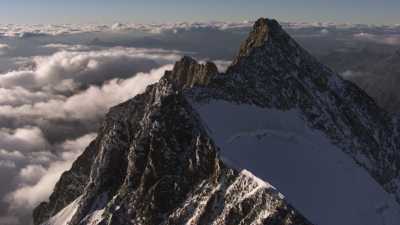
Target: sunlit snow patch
{"points": [[64, 216]]}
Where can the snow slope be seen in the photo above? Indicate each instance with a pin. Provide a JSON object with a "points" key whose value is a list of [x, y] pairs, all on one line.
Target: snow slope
{"points": [[319, 179], [64, 216]]}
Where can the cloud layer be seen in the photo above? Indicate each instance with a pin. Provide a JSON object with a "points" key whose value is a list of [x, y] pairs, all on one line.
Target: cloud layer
{"points": [[389, 39], [23, 139], [50, 110], [88, 104], [68, 70], [38, 30], [37, 182], [58, 81], [4, 49]]}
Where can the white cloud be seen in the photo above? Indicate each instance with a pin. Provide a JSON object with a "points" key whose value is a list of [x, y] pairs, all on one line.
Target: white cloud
{"points": [[71, 148], [89, 104], [42, 157], [180, 26], [32, 173], [66, 47], [7, 164], [21, 30], [42, 169], [24, 31], [324, 31], [67, 69], [222, 65], [28, 195], [22, 139], [11, 155], [4, 48], [71, 88], [37, 181], [351, 74], [364, 35], [19, 96], [389, 39]]}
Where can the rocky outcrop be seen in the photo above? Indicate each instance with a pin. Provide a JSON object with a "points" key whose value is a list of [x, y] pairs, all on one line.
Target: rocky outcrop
{"points": [[257, 37], [69, 187], [188, 73]]}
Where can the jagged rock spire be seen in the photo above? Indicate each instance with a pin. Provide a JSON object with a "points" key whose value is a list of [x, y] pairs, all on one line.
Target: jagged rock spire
{"points": [[257, 37], [188, 72], [263, 31]]}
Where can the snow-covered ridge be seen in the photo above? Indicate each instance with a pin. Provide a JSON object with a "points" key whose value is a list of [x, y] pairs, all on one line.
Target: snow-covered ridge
{"points": [[278, 114], [317, 177], [157, 165], [64, 216]]}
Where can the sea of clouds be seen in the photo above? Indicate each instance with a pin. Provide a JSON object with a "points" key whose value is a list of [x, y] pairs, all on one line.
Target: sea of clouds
{"points": [[56, 85], [49, 113], [58, 81]]}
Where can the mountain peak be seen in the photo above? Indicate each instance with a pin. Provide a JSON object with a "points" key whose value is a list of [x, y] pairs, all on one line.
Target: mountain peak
{"points": [[169, 157], [263, 30], [188, 72]]}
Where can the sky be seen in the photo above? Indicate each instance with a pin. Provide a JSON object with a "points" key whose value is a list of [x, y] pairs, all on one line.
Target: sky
{"points": [[107, 11]]}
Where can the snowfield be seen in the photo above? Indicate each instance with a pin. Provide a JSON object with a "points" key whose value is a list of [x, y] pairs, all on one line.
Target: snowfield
{"points": [[64, 216], [318, 178]]}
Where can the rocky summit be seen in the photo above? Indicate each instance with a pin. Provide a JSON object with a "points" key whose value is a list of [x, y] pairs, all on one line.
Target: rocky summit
{"points": [[202, 147]]}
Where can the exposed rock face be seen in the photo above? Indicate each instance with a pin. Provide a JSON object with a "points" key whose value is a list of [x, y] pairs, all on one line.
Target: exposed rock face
{"points": [[199, 74], [155, 163], [336, 107], [257, 38], [69, 187]]}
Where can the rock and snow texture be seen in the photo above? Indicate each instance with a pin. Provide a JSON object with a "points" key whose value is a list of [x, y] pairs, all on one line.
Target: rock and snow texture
{"points": [[278, 74], [155, 164], [65, 215], [318, 178], [185, 151]]}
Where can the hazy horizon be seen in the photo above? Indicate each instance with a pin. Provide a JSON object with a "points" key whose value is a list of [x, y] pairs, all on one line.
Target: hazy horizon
{"points": [[156, 11]]}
